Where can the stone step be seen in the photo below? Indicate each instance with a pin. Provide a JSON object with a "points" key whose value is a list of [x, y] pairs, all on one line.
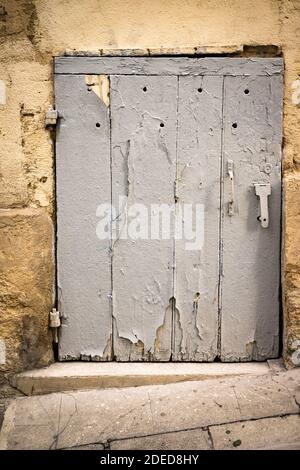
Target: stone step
{"points": [[83, 375], [248, 411]]}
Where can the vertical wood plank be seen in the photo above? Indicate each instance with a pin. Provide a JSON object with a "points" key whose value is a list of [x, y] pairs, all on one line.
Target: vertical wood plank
{"points": [[251, 254], [198, 183], [83, 182], [143, 114]]}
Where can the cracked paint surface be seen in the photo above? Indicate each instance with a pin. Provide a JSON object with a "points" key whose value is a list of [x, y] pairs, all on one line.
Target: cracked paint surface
{"points": [[84, 280], [198, 170], [143, 169], [166, 139]]}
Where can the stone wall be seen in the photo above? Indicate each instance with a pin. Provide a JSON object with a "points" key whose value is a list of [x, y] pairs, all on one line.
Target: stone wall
{"points": [[31, 33]]}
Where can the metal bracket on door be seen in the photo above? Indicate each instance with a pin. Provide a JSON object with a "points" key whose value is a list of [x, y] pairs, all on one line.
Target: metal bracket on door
{"points": [[231, 199], [263, 190], [54, 323]]}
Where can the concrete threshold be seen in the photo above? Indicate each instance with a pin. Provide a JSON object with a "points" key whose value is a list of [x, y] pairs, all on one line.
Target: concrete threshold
{"points": [[71, 376]]}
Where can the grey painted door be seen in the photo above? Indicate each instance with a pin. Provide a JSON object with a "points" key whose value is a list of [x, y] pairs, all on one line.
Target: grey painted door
{"points": [[202, 139]]}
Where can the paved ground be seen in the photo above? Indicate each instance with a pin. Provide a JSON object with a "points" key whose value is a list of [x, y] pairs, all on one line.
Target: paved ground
{"points": [[247, 412]]}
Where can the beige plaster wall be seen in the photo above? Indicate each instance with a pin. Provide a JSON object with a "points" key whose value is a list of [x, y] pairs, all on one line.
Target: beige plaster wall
{"points": [[31, 33]]}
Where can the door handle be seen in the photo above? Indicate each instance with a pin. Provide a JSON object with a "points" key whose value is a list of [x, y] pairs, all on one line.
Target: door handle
{"points": [[231, 196], [263, 190]]}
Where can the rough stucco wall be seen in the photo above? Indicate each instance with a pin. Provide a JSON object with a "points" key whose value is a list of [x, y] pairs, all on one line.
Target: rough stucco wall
{"points": [[31, 33]]}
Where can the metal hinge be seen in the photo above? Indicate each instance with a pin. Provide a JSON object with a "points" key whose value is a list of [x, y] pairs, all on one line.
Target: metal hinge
{"points": [[54, 323], [51, 117]]}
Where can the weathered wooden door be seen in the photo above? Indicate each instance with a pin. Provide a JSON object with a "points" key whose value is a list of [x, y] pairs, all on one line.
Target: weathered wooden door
{"points": [[168, 208]]}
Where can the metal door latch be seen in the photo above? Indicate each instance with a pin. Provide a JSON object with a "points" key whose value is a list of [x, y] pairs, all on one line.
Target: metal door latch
{"points": [[263, 190], [231, 198]]}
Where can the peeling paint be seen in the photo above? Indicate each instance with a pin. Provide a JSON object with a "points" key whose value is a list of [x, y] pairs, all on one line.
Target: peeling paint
{"points": [[162, 344], [177, 333], [191, 342], [143, 169], [99, 84], [133, 348], [84, 261], [198, 169], [164, 131], [90, 355], [252, 350]]}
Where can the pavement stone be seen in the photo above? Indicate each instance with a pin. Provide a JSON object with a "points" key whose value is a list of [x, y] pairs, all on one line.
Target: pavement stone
{"points": [[196, 439], [262, 433]]}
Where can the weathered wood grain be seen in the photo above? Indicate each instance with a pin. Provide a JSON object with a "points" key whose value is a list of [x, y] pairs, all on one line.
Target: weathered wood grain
{"points": [[83, 182], [143, 171], [198, 184], [168, 66]]}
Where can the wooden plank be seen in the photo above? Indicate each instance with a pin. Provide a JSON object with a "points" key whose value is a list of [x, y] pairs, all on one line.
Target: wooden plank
{"points": [[168, 66], [143, 170], [251, 254], [198, 173], [83, 182]]}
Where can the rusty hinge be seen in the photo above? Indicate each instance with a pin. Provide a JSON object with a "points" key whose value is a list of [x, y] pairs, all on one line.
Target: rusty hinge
{"points": [[51, 117]]}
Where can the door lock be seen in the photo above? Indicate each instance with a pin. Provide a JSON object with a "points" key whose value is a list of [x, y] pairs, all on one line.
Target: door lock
{"points": [[263, 190]]}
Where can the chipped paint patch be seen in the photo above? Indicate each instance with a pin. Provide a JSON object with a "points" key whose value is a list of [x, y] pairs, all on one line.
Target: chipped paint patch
{"points": [[99, 84], [163, 339], [2, 92]]}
